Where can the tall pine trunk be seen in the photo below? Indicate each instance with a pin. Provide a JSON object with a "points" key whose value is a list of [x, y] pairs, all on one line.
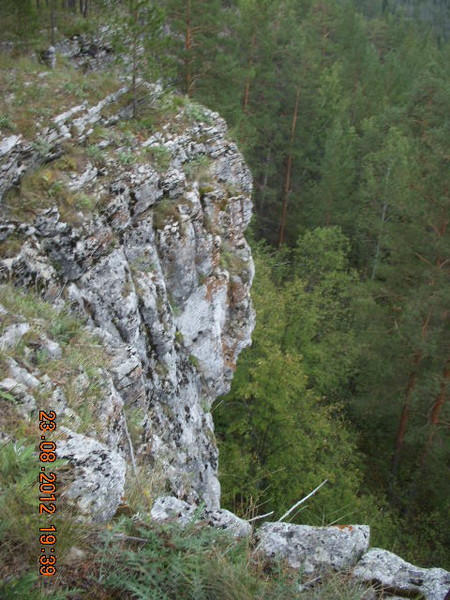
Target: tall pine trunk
{"points": [[436, 414], [188, 43], [406, 409], [403, 423], [287, 179], [248, 81], [265, 180]]}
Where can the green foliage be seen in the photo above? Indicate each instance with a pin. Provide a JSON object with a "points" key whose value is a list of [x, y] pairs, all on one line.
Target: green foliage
{"points": [[20, 522], [160, 156], [18, 503], [79, 348], [138, 39], [164, 211], [198, 167], [26, 587], [194, 563], [273, 427], [126, 158], [196, 112], [6, 123], [194, 361], [29, 99], [17, 18], [96, 154], [346, 119]]}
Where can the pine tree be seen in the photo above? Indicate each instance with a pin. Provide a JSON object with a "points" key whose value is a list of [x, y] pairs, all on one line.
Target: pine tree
{"points": [[195, 26], [139, 36]]}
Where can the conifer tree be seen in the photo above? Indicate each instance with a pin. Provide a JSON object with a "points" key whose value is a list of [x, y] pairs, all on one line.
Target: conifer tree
{"points": [[194, 25], [139, 35]]}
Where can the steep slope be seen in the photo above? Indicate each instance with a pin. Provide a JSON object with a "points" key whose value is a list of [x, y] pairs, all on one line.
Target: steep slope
{"points": [[140, 231]]}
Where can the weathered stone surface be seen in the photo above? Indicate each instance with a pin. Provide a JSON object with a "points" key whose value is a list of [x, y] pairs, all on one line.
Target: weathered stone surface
{"points": [[224, 519], [170, 509], [18, 155], [24, 402], [48, 57], [87, 52], [12, 335], [51, 349], [161, 271], [97, 475], [313, 549], [393, 574]]}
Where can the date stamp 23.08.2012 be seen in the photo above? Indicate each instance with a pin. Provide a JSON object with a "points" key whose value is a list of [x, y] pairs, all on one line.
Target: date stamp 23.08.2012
{"points": [[47, 493]]}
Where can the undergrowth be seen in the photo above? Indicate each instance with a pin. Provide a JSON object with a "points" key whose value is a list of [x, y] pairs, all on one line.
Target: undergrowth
{"points": [[81, 354], [133, 558], [33, 94]]}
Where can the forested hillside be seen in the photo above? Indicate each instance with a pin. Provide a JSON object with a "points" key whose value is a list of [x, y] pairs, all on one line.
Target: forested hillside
{"points": [[342, 110]]}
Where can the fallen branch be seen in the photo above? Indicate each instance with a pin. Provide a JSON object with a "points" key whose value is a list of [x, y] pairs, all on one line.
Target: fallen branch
{"points": [[260, 517], [304, 499], [297, 512]]}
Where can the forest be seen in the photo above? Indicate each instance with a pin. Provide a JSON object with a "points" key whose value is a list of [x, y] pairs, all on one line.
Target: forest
{"points": [[342, 111]]}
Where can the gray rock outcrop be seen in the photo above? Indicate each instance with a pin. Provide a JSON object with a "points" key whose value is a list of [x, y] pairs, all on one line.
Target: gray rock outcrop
{"points": [[314, 550], [97, 474], [158, 266], [392, 575], [318, 551], [140, 231], [169, 509]]}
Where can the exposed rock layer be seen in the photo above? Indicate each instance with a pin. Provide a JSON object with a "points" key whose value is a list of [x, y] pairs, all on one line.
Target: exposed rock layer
{"points": [[152, 253], [160, 269]]}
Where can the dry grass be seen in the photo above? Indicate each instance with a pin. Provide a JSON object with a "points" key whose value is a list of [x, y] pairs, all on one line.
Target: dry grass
{"points": [[32, 94], [81, 354]]}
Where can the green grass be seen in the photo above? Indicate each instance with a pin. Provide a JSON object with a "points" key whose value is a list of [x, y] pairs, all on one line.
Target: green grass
{"points": [[135, 559], [197, 112], [231, 261], [46, 187], [80, 350], [164, 211], [159, 156], [20, 523], [31, 94], [198, 168]]}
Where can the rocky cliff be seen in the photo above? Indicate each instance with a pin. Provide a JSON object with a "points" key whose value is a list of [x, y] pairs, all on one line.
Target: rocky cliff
{"points": [[124, 304], [140, 232]]}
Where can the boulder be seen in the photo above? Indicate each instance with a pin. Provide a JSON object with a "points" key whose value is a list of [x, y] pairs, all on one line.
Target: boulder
{"points": [[170, 509], [224, 519], [96, 476], [392, 574], [313, 549]]}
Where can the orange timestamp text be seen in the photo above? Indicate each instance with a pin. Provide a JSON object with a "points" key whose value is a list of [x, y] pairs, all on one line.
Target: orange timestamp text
{"points": [[47, 493]]}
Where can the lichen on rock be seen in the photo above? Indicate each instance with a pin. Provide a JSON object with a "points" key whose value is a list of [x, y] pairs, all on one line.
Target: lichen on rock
{"points": [[152, 254]]}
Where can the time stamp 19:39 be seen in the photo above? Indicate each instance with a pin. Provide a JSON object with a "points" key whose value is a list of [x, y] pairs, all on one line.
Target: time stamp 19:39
{"points": [[47, 491]]}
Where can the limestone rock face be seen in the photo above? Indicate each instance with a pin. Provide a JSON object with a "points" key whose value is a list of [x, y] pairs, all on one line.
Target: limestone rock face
{"points": [[147, 244], [170, 509], [394, 575], [98, 475], [314, 549]]}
